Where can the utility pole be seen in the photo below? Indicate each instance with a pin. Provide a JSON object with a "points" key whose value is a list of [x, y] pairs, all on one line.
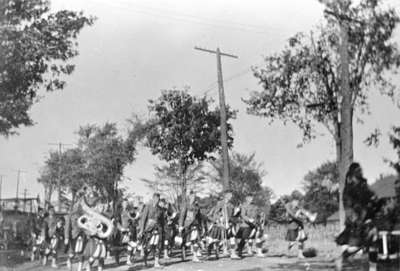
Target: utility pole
{"points": [[25, 198], [60, 147], [18, 180], [1, 186], [224, 135]]}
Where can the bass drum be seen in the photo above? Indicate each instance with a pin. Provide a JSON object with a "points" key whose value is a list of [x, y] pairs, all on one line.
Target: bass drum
{"points": [[385, 255]]}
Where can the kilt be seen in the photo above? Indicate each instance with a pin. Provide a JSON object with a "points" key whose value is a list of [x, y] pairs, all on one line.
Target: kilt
{"points": [[152, 237], [216, 232], [169, 234], [231, 231], [294, 227], [291, 235], [77, 245], [354, 234], [191, 235], [52, 245], [95, 248], [246, 233]]}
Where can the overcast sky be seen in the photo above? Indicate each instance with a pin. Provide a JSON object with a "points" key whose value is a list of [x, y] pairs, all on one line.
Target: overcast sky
{"points": [[136, 48]]}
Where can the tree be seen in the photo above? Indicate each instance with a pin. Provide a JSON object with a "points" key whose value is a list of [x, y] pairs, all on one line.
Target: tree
{"points": [[106, 153], [394, 138], [246, 178], [321, 188], [278, 210], [184, 130], [168, 181], [306, 83], [35, 47], [66, 170], [98, 160]]}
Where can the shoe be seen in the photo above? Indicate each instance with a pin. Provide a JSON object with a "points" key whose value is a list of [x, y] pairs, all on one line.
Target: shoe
{"points": [[69, 265], [339, 264], [234, 256], [196, 260], [259, 253], [300, 256], [53, 263]]}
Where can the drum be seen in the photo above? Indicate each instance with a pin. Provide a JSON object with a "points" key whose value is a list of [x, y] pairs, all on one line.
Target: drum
{"points": [[386, 253], [389, 245]]}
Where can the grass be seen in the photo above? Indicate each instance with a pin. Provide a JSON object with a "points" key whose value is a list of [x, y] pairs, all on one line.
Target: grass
{"points": [[320, 237]]}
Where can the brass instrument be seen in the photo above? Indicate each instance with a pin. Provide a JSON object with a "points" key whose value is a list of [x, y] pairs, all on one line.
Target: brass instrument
{"points": [[94, 223], [308, 215]]}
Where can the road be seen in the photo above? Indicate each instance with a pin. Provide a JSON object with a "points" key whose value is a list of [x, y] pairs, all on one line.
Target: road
{"points": [[225, 264]]}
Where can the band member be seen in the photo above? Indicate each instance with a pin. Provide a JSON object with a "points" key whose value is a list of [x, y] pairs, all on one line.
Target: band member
{"points": [[38, 236], [151, 228], [75, 238], [295, 233], [191, 223], [247, 229], [96, 248], [223, 227], [55, 236], [361, 205], [260, 236], [127, 228], [171, 227]]}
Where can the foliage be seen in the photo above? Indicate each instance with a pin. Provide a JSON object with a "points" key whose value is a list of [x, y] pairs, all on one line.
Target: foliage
{"points": [[395, 141], [35, 47], [184, 130], [106, 154], [321, 188], [168, 181], [302, 83], [246, 178], [278, 210], [98, 160]]}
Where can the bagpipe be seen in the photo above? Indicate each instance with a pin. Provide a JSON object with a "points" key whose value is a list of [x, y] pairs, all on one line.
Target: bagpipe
{"points": [[95, 223], [303, 214]]}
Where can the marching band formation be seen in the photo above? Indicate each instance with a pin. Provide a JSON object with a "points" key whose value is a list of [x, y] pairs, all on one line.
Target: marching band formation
{"points": [[90, 231]]}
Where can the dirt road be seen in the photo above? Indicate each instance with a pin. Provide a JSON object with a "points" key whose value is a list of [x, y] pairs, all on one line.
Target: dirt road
{"points": [[247, 264]]}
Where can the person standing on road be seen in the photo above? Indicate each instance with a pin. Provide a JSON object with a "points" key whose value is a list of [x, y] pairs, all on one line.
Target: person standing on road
{"points": [[247, 229], [191, 224], [151, 228]]}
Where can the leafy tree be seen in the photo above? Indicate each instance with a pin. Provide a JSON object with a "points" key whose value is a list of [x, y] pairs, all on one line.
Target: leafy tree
{"points": [[184, 130], [98, 160], [168, 181], [106, 153], [394, 138], [304, 84], [246, 178], [278, 210], [321, 188], [66, 170], [35, 48]]}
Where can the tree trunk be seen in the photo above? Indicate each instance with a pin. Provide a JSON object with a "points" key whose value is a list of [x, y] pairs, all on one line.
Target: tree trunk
{"points": [[183, 183], [48, 192], [346, 118]]}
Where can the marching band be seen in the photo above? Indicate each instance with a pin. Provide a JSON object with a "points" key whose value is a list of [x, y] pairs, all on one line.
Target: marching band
{"points": [[156, 228]]}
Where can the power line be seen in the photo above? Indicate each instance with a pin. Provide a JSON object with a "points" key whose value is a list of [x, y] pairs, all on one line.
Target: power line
{"points": [[190, 19]]}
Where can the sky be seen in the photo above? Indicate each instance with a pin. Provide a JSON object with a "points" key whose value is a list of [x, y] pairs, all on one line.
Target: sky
{"points": [[136, 48]]}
